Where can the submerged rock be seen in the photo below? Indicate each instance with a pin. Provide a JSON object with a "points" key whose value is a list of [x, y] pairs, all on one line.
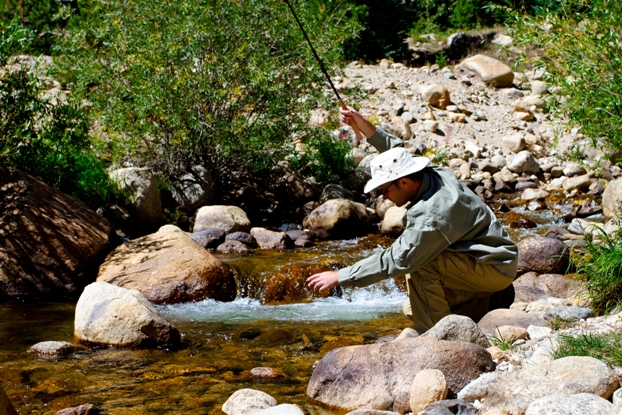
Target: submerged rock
{"points": [[52, 348], [289, 285], [6, 407]]}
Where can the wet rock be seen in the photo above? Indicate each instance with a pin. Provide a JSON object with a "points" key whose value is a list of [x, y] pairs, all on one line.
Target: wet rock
{"points": [[50, 243], [486, 69], [393, 221], [542, 255], [277, 337], [107, 314], [243, 237], [612, 199], [507, 317], [534, 194], [428, 387], [518, 221], [261, 373], [339, 219], [289, 284], [336, 343], [457, 328], [359, 376], [226, 218], [193, 189], [536, 205], [244, 401], [282, 409], [208, 238], [232, 247], [168, 268], [435, 95], [86, 409], [577, 404], [267, 239], [52, 348], [334, 191], [6, 407], [452, 406], [568, 375], [524, 162]]}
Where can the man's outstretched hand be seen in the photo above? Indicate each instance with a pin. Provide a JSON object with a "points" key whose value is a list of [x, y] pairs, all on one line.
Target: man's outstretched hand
{"points": [[351, 116], [323, 281]]}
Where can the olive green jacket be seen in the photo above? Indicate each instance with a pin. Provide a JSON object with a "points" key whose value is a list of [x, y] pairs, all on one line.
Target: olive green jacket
{"points": [[445, 215]]}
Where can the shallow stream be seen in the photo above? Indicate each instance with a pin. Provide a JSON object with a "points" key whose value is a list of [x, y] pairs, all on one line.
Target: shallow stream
{"points": [[221, 342]]}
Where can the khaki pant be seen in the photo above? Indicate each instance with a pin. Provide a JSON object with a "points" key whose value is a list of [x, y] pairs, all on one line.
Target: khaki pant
{"points": [[451, 283]]}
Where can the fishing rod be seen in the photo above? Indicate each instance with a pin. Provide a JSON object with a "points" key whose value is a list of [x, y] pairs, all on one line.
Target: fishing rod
{"points": [[319, 60]]}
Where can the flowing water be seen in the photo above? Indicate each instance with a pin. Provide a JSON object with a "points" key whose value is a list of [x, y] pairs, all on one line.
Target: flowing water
{"points": [[221, 342]]}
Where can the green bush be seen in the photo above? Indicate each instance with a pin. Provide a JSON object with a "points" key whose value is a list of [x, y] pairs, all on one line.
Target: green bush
{"points": [[605, 347], [579, 48], [325, 151], [174, 82], [46, 140], [601, 268]]}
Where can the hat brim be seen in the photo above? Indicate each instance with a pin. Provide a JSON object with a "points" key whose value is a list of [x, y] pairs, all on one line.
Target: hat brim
{"points": [[420, 164]]}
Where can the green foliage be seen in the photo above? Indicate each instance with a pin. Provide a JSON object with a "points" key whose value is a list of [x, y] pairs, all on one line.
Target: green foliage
{"points": [[46, 140], [385, 24], [606, 347], [559, 323], [326, 159], [173, 81], [580, 51], [43, 17], [503, 343], [464, 14], [601, 268], [441, 59]]}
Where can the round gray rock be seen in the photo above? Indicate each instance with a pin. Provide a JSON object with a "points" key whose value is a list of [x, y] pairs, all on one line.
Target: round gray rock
{"points": [[226, 218], [458, 328], [246, 400]]}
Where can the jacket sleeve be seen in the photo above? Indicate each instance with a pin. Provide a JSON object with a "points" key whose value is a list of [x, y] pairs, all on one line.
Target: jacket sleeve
{"points": [[413, 249], [384, 141]]}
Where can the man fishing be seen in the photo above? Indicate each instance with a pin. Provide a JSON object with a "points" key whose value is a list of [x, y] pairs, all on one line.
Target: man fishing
{"points": [[456, 256]]}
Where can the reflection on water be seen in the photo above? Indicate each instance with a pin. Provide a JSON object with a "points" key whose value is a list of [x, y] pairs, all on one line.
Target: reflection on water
{"points": [[220, 341]]}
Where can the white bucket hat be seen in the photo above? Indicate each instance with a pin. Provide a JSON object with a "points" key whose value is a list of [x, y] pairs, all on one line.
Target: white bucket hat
{"points": [[393, 164]]}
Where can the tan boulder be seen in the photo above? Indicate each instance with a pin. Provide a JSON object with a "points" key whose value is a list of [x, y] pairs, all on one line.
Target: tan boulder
{"points": [[50, 243], [107, 314], [226, 218], [379, 376], [168, 268], [393, 221], [508, 317], [339, 219], [612, 199], [435, 95], [429, 386], [267, 239], [487, 69]]}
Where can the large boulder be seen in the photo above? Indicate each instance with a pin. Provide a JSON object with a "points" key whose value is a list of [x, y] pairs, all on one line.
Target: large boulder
{"points": [[226, 218], [339, 219], [193, 189], [334, 191], [107, 314], [144, 197], [458, 328], [393, 221], [379, 376], [486, 69], [542, 255], [612, 199], [50, 243], [569, 375], [168, 268], [6, 407]]}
